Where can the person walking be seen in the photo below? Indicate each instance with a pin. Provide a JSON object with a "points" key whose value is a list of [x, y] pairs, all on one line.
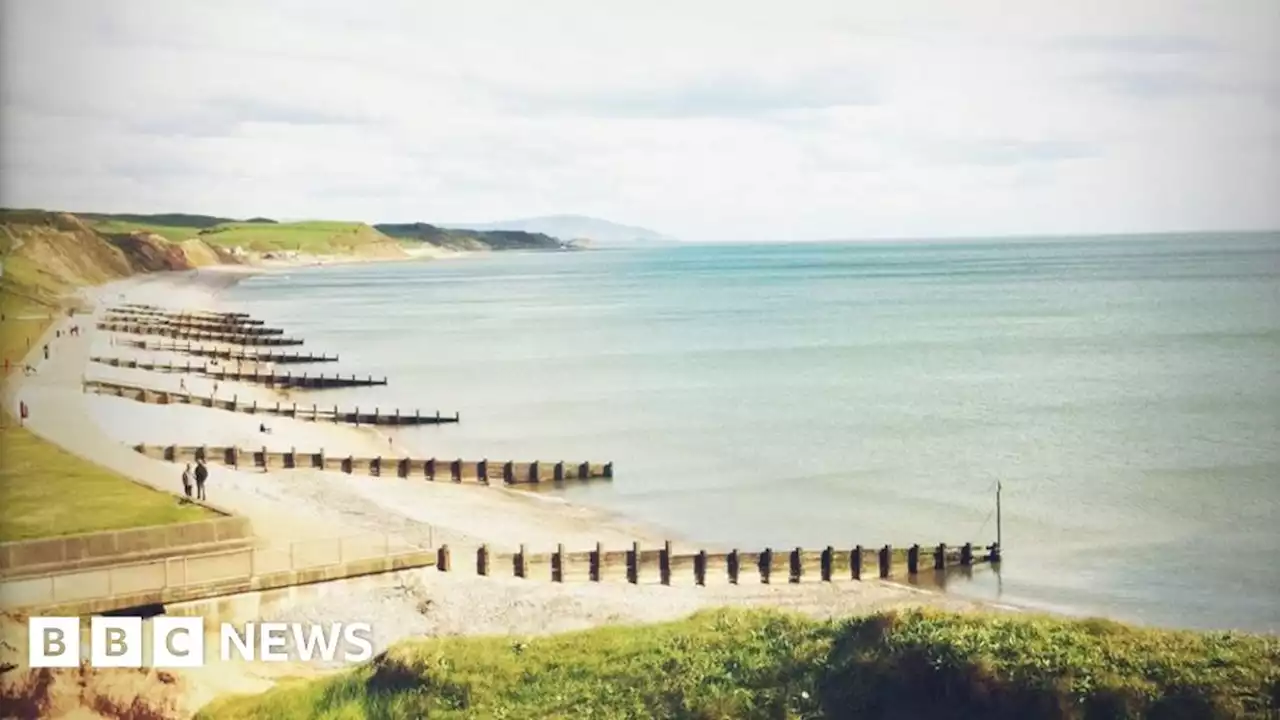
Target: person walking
{"points": [[202, 474], [186, 481]]}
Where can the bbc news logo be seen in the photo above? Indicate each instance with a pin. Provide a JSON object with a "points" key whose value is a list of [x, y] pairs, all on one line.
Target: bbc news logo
{"points": [[179, 642]]}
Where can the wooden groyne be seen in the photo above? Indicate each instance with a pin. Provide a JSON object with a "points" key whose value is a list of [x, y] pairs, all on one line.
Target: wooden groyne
{"points": [[314, 413], [279, 358], [486, 472], [272, 380], [663, 566], [186, 315], [231, 338], [206, 313], [194, 324]]}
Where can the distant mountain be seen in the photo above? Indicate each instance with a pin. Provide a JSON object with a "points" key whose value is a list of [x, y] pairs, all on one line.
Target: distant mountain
{"points": [[577, 227], [469, 239]]}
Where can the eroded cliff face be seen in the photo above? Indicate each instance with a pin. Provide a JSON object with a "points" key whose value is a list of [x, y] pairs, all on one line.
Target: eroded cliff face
{"points": [[47, 255]]}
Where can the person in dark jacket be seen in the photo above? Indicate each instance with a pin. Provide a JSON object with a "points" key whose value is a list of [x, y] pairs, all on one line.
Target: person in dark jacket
{"points": [[202, 474]]}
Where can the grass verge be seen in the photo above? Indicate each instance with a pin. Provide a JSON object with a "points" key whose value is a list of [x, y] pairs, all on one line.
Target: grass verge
{"points": [[760, 664], [46, 492]]}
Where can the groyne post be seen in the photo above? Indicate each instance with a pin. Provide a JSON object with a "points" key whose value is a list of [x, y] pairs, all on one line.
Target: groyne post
{"points": [[966, 554], [557, 564], [886, 561], [700, 568], [633, 564], [522, 563], [855, 562], [664, 563], [482, 561], [940, 557], [766, 565], [444, 561], [733, 561], [828, 557], [797, 565], [597, 562]]}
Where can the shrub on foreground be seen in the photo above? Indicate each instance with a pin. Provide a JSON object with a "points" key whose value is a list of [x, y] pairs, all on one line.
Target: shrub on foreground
{"points": [[761, 664]]}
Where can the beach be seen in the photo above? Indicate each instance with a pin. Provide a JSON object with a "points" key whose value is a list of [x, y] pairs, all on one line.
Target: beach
{"points": [[303, 505]]}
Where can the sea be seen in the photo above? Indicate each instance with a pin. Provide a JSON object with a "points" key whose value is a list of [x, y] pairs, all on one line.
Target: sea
{"points": [[1121, 394]]}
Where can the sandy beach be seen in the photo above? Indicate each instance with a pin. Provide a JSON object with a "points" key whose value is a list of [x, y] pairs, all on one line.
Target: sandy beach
{"points": [[297, 505]]}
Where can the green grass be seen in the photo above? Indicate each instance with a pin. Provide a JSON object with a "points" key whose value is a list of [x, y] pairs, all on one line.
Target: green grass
{"points": [[308, 237], [46, 491], [755, 664], [174, 233]]}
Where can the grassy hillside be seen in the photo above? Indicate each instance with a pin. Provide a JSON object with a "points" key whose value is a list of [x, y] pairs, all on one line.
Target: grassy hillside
{"points": [[470, 240], [740, 664], [310, 237]]}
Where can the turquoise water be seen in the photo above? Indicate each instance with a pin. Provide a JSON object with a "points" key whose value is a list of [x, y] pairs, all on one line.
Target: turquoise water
{"points": [[1125, 390]]}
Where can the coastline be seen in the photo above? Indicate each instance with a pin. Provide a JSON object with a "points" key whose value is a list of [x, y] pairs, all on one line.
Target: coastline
{"points": [[301, 505]]}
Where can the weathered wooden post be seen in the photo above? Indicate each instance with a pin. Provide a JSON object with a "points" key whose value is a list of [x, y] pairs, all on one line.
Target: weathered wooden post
{"points": [[430, 469], [913, 559], [855, 562], [700, 568], [235, 456], [940, 557], [482, 561], [357, 416], [350, 468], [633, 564], [828, 559], [557, 564], [375, 466], [377, 412], [291, 460], [732, 562], [664, 563], [336, 417], [534, 477], [482, 470], [509, 473], [559, 472], [797, 567], [886, 561], [597, 563], [584, 471], [456, 470], [766, 565], [315, 412], [323, 465], [608, 469], [966, 554], [522, 563], [443, 561]]}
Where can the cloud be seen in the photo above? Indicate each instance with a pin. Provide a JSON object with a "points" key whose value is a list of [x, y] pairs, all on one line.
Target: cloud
{"points": [[1139, 44], [728, 95], [1156, 84], [713, 120]]}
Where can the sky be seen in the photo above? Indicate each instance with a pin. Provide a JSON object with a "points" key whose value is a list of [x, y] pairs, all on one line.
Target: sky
{"points": [[703, 119]]}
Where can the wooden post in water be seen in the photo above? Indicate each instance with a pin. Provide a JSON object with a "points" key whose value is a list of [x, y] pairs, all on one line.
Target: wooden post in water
{"points": [[482, 561]]}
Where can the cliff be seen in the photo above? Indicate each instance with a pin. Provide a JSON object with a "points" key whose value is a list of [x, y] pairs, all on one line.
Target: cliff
{"points": [[47, 255]]}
